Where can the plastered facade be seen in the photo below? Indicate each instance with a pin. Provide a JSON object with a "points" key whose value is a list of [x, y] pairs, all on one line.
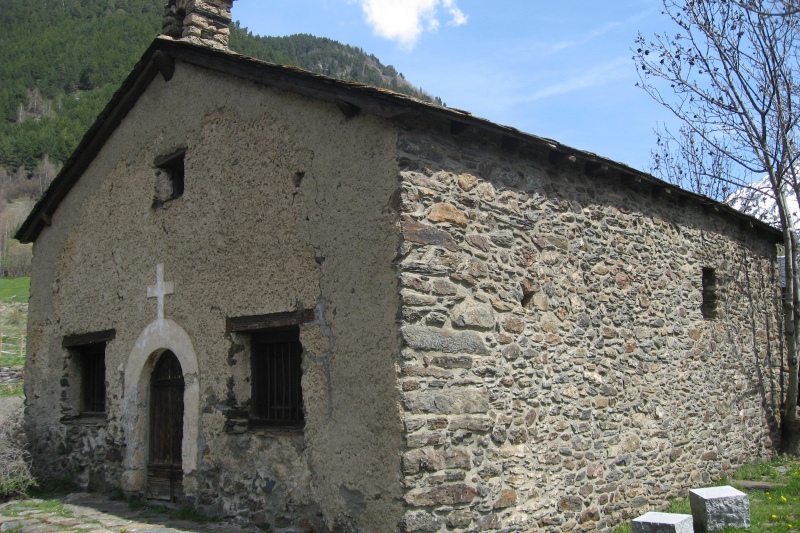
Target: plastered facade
{"points": [[500, 341], [280, 212]]}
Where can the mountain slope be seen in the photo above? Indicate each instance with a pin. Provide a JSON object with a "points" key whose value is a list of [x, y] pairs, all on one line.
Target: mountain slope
{"points": [[324, 56], [63, 59], [758, 201]]}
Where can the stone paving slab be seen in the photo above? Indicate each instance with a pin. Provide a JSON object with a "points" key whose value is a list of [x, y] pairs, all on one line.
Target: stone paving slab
{"points": [[17, 525], [95, 513]]}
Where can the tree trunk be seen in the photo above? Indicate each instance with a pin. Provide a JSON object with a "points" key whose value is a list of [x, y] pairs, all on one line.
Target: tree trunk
{"points": [[790, 426]]}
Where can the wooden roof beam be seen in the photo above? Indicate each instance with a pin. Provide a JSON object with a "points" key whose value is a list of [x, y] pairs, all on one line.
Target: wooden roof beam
{"points": [[349, 110], [659, 190], [165, 64], [457, 127], [594, 168], [509, 144], [557, 157], [628, 180]]}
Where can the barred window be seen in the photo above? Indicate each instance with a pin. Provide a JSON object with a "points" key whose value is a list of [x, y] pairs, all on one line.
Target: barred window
{"points": [[277, 397], [92, 360], [86, 373]]}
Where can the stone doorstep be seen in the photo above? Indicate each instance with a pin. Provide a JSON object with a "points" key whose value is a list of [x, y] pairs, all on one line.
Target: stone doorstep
{"points": [[653, 522], [715, 508]]}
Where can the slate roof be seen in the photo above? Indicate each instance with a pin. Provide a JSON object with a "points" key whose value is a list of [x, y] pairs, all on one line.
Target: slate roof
{"points": [[350, 97]]}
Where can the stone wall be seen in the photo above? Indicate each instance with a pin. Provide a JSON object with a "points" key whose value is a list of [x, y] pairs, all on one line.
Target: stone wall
{"points": [[558, 372], [11, 374], [203, 22], [549, 367]]}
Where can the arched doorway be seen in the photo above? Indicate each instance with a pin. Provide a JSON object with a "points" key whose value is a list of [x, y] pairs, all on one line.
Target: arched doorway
{"points": [[155, 340], [164, 465]]}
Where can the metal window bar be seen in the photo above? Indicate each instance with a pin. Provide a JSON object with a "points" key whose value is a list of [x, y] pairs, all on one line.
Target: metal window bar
{"points": [[276, 377], [93, 378]]}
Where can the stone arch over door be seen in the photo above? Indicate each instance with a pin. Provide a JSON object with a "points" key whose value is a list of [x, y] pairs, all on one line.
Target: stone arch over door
{"points": [[161, 335]]}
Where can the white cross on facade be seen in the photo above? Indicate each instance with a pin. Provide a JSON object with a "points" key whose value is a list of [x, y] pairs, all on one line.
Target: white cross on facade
{"points": [[160, 289]]}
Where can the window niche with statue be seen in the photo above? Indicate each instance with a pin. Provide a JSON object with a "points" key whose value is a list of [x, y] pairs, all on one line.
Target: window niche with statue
{"points": [[170, 175]]}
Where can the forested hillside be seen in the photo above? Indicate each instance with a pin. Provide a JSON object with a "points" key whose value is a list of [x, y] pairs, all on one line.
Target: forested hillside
{"points": [[324, 56], [63, 59]]}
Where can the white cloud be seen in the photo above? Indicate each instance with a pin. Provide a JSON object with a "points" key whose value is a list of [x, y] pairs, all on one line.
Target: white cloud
{"points": [[404, 21], [599, 75], [600, 32], [459, 17]]}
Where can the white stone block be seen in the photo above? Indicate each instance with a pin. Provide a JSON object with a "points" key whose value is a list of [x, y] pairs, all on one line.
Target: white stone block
{"points": [[715, 508], [663, 523]]}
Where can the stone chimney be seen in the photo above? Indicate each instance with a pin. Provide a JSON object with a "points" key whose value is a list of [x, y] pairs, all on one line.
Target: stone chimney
{"points": [[202, 22]]}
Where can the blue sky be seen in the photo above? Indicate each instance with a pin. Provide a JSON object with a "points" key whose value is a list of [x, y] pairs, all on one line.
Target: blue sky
{"points": [[561, 70]]}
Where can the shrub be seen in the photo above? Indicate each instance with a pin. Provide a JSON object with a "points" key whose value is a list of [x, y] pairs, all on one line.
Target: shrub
{"points": [[15, 472]]}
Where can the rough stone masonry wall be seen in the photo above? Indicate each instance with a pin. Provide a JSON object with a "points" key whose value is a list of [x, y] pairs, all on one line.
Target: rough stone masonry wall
{"points": [[11, 374], [558, 373]]}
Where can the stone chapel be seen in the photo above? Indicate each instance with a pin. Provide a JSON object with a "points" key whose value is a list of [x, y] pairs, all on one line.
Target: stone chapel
{"points": [[321, 306]]}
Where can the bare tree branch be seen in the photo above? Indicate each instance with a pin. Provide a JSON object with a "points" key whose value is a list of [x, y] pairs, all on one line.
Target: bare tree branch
{"points": [[783, 9], [730, 74]]}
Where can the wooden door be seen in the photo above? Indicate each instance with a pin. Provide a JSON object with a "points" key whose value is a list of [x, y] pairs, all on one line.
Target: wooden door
{"points": [[164, 469]]}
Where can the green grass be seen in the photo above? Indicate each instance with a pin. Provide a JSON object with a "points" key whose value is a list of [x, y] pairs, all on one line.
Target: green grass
{"points": [[770, 511], [50, 504], [758, 471], [14, 293], [10, 389], [15, 290], [12, 360], [55, 507]]}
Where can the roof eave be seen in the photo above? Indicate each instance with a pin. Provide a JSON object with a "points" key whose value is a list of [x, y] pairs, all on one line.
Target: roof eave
{"points": [[162, 53]]}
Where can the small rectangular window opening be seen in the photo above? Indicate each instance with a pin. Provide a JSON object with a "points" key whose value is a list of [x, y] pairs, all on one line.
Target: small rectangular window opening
{"points": [[92, 361], [709, 306], [527, 299], [277, 397], [169, 177]]}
